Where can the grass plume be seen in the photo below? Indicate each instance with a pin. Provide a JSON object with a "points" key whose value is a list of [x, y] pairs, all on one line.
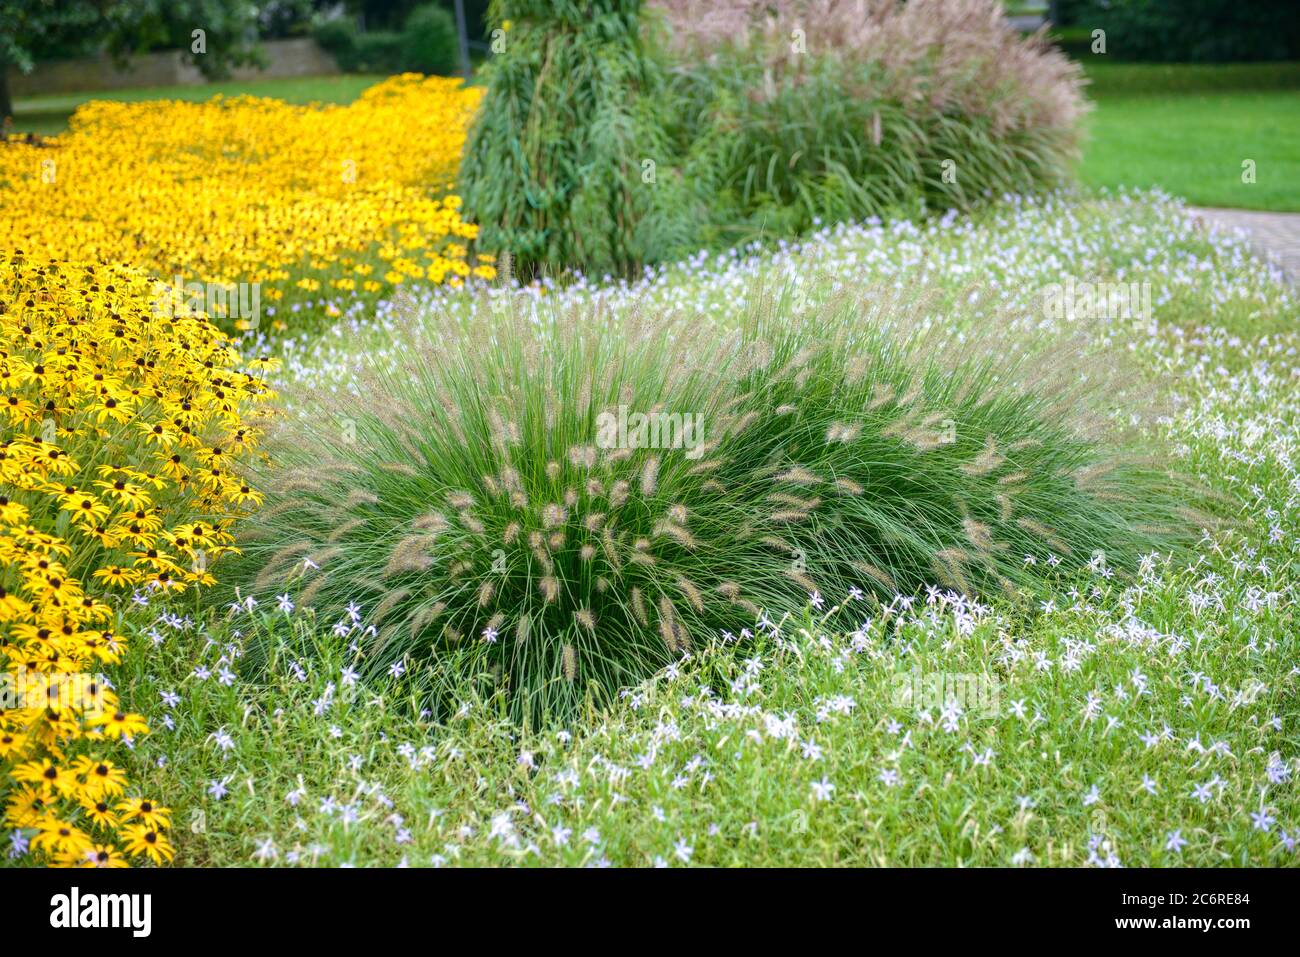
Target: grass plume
{"points": [[854, 455]]}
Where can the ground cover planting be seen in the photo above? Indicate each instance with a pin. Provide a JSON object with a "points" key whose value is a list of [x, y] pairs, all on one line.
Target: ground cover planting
{"points": [[294, 199], [717, 435], [125, 440], [1127, 716]]}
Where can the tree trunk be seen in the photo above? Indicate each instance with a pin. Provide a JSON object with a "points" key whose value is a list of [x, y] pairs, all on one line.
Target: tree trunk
{"points": [[6, 105], [462, 37]]}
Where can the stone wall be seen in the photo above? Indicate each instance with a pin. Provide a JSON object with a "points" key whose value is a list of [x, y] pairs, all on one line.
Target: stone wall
{"points": [[298, 57]]}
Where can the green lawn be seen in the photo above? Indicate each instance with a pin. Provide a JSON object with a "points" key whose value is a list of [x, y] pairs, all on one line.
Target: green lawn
{"points": [[48, 115], [1188, 129]]}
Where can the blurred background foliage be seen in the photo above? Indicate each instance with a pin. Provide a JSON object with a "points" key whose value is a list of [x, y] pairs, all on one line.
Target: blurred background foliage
{"points": [[1183, 31]]}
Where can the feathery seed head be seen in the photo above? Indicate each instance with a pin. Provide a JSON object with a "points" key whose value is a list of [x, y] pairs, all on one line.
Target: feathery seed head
{"points": [[650, 476], [619, 493], [798, 475]]}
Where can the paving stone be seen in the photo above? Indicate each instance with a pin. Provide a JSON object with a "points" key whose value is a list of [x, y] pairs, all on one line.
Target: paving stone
{"points": [[1274, 235]]}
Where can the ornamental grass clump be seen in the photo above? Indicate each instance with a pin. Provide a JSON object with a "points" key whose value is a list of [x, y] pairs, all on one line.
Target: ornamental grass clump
{"points": [[619, 133], [795, 112], [567, 501]]}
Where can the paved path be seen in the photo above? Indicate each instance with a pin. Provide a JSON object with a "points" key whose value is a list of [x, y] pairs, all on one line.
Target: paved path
{"points": [[1026, 23], [1275, 234]]}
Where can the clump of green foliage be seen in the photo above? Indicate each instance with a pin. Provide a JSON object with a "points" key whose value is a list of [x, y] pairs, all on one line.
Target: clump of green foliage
{"points": [[498, 505], [612, 136], [1189, 31], [429, 41], [796, 113], [426, 43], [553, 169]]}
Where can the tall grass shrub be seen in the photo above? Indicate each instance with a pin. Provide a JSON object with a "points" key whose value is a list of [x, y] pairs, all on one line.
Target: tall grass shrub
{"points": [[614, 135], [552, 168], [496, 504]]}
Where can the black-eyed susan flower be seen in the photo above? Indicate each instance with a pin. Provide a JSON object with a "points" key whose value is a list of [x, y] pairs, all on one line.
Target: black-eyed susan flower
{"points": [[102, 777], [144, 841], [26, 806], [58, 837], [117, 724], [144, 811], [52, 778], [11, 742], [98, 855], [126, 492], [99, 812], [115, 576]]}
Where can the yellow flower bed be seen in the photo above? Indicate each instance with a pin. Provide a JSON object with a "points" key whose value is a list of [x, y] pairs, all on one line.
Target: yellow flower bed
{"points": [[125, 443], [255, 190]]}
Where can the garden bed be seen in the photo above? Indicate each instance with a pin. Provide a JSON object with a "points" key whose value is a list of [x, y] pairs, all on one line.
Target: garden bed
{"points": [[1124, 720]]}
